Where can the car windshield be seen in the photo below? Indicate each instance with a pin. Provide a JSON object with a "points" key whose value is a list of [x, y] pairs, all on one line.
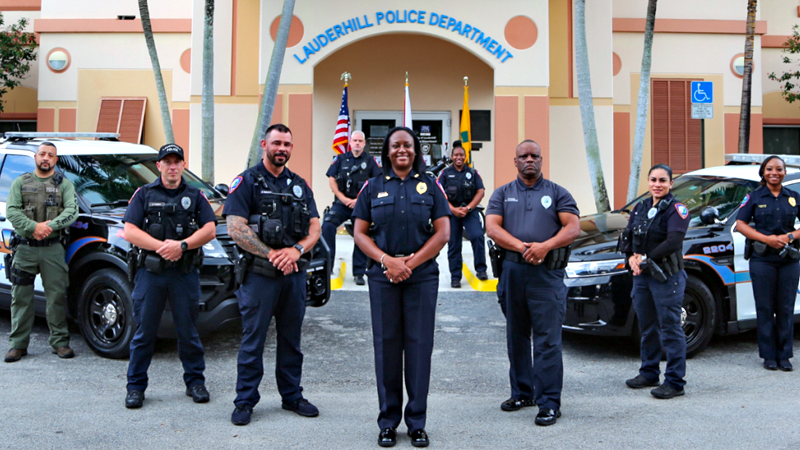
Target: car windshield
{"points": [[109, 178], [697, 193]]}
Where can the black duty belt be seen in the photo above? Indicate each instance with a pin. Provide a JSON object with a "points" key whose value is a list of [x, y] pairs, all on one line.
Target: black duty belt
{"points": [[42, 243], [515, 257]]}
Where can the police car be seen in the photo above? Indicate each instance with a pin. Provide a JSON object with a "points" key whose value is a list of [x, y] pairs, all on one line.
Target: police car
{"points": [[106, 173], [719, 295]]}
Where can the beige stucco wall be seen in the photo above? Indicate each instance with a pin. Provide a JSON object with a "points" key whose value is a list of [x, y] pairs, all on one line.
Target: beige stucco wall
{"points": [[689, 9], [526, 68], [110, 9], [233, 130], [781, 16], [600, 47], [378, 85], [223, 38]]}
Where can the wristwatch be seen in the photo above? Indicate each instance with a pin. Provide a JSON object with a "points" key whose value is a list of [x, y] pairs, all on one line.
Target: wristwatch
{"points": [[469, 210], [300, 249], [184, 246], [791, 237]]}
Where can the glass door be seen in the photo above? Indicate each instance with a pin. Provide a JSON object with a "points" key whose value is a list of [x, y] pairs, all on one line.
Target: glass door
{"points": [[432, 129]]}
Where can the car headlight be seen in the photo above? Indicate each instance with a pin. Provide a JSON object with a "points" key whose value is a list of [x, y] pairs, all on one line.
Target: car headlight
{"points": [[595, 268], [213, 249]]}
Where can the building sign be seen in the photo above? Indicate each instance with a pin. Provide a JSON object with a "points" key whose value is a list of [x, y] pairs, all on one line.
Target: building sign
{"points": [[422, 18]]}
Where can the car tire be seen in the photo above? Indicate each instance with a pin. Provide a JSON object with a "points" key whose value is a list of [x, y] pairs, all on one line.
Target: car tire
{"points": [[105, 313]]}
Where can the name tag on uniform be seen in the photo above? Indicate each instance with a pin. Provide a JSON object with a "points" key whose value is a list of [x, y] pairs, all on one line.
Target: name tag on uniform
{"points": [[762, 206], [511, 199], [52, 189], [383, 194], [155, 204], [266, 192]]}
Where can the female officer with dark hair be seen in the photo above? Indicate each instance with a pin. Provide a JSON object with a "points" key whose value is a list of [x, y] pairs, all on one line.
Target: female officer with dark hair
{"points": [[774, 267], [654, 244], [412, 224]]}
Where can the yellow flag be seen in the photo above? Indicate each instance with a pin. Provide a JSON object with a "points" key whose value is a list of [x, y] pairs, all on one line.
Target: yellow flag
{"points": [[465, 131]]}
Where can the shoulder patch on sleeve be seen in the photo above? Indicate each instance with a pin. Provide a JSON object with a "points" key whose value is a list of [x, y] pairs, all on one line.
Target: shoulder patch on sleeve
{"points": [[441, 189], [235, 183], [334, 159], [134, 194], [362, 188], [745, 199], [682, 210]]}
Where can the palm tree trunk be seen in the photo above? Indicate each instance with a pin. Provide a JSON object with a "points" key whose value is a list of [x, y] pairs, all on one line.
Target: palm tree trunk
{"points": [[643, 102], [271, 83], [208, 94], [747, 81], [144, 12], [587, 109]]}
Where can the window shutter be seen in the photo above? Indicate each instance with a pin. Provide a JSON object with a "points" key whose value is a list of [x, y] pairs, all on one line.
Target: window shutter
{"points": [[124, 116], [676, 137], [108, 118]]}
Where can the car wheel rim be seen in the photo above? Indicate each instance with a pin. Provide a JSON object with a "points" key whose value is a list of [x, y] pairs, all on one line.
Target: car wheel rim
{"points": [[692, 318], [106, 313]]}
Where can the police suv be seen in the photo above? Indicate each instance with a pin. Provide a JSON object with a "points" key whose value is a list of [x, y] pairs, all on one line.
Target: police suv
{"points": [[106, 173], [719, 295]]}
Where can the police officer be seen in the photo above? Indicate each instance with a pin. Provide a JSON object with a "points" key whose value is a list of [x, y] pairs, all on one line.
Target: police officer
{"points": [[464, 188], [41, 206], [409, 210], [347, 174], [774, 266], [655, 255], [280, 206], [535, 295], [168, 222]]}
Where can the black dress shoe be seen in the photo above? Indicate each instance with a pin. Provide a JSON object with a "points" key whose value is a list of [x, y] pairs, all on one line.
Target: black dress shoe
{"points": [[241, 415], [419, 438], [666, 392], [784, 365], [513, 404], [547, 417], [639, 382], [770, 364], [134, 399], [360, 280], [199, 393], [455, 284], [481, 275], [387, 437], [302, 407]]}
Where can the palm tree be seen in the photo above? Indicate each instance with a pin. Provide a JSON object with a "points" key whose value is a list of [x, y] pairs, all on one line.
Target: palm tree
{"points": [[643, 103], [151, 48], [208, 94], [271, 83], [747, 78], [587, 109]]}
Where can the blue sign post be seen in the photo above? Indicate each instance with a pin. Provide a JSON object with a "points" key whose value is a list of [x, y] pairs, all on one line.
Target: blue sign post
{"points": [[702, 93]]}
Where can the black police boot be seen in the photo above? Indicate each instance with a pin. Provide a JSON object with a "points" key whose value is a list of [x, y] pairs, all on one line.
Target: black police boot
{"points": [[455, 283], [134, 399], [241, 415], [770, 364], [785, 365], [199, 393], [666, 392], [302, 407], [639, 382], [481, 275], [360, 280]]}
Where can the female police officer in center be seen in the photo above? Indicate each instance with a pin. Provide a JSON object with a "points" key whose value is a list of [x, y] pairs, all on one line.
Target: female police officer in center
{"points": [[773, 270], [412, 224], [656, 229]]}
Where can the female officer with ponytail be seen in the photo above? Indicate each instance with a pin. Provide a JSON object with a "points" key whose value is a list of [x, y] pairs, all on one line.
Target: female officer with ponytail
{"points": [[654, 246], [774, 267]]}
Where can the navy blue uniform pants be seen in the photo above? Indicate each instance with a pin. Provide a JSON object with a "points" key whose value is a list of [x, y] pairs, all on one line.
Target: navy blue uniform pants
{"points": [[775, 291], [538, 309], [338, 214], [403, 318], [512, 375], [658, 306], [150, 294], [261, 298], [472, 223]]}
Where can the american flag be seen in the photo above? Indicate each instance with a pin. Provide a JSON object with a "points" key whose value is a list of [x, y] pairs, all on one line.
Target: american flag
{"points": [[341, 137]]}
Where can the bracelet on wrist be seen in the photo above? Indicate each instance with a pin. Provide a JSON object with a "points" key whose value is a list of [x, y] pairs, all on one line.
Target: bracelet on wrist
{"points": [[383, 256]]}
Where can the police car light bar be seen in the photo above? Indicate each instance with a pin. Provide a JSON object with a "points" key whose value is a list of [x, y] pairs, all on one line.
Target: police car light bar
{"points": [[791, 160], [39, 135]]}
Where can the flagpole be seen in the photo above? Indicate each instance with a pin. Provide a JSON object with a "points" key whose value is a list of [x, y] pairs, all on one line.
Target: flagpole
{"points": [[465, 131], [341, 136]]}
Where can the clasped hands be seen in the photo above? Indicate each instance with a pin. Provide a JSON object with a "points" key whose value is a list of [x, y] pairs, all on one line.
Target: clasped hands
{"points": [[170, 250], [41, 231], [534, 252], [285, 259], [635, 261], [396, 268]]}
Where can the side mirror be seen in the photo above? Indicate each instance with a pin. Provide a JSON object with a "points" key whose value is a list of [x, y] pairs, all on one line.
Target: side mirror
{"points": [[710, 215], [2, 218], [222, 187]]}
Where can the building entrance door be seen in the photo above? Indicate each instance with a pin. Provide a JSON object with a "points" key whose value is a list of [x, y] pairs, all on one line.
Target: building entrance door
{"points": [[431, 127]]}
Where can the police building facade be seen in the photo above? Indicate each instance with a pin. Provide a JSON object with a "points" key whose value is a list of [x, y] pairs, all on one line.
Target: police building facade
{"points": [[94, 73]]}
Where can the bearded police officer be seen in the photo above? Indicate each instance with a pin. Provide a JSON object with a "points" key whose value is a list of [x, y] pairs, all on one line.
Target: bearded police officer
{"points": [[41, 206], [533, 278], [347, 175], [273, 219], [167, 222], [464, 188]]}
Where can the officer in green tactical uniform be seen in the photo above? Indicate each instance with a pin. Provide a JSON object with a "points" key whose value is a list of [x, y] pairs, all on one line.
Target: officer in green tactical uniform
{"points": [[41, 206]]}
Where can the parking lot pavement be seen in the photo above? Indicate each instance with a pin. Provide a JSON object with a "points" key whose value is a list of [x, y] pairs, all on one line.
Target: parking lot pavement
{"points": [[731, 402]]}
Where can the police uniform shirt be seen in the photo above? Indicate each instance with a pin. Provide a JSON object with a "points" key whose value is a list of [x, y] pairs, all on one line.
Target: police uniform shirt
{"points": [[345, 162], [242, 199], [401, 210], [454, 177], [530, 214], [676, 218], [772, 215], [136, 212]]}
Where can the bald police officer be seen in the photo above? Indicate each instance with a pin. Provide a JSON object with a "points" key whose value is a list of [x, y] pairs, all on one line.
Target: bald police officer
{"points": [[347, 174], [533, 279]]}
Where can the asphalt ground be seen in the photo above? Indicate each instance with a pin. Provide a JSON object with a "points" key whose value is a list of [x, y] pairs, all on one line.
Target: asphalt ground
{"points": [[731, 402]]}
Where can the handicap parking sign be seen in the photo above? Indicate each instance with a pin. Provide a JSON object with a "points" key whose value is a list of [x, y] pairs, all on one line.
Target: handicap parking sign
{"points": [[702, 92]]}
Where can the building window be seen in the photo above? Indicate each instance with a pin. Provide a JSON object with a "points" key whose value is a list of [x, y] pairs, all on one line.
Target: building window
{"points": [[677, 139], [124, 116], [780, 140], [480, 122], [58, 60]]}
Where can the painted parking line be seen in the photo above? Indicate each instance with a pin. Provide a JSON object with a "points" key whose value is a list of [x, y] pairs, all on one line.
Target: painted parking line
{"points": [[489, 285]]}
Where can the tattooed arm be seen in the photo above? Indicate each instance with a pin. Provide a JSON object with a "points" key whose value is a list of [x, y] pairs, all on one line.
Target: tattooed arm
{"points": [[245, 237]]}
